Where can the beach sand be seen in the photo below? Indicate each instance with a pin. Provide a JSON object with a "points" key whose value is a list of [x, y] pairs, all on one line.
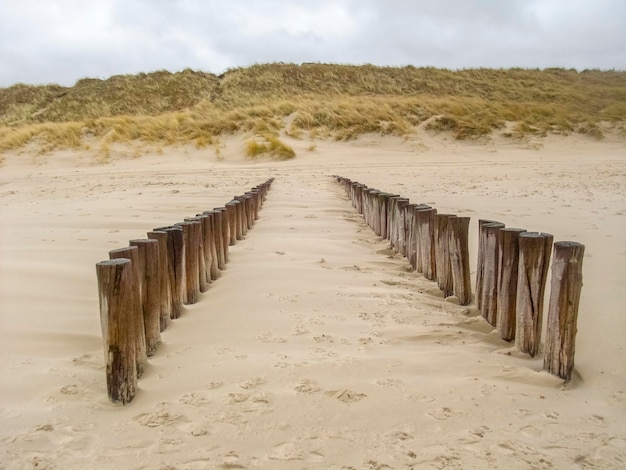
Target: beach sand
{"points": [[317, 347]]}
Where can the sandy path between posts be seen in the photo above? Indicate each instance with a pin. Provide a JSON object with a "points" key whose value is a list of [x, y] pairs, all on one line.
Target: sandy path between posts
{"points": [[317, 347]]}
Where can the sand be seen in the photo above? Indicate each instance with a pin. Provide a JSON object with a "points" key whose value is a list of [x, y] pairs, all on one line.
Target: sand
{"points": [[317, 347]]}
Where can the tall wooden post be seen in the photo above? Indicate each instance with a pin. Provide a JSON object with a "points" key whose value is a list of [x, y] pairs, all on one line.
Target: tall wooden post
{"points": [[442, 257], [383, 201], [116, 293], [210, 244], [491, 271], [566, 286], [176, 264], [231, 208], [480, 264], [223, 227], [507, 285], [427, 245], [458, 228], [534, 259], [150, 295], [165, 301], [192, 280], [204, 275], [138, 332]]}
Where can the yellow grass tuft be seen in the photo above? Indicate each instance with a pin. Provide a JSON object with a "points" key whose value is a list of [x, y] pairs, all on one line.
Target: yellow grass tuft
{"points": [[271, 145]]}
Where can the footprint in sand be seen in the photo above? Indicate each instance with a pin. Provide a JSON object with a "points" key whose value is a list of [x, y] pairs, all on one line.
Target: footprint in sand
{"points": [[346, 396], [443, 413], [158, 418], [307, 386]]}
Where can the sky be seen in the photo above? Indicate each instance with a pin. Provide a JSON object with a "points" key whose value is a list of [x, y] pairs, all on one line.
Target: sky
{"points": [[61, 41]]}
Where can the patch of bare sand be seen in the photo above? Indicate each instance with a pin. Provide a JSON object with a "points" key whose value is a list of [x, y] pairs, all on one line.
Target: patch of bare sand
{"points": [[317, 348]]}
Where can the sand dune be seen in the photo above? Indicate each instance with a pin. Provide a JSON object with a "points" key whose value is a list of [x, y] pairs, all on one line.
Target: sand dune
{"points": [[317, 347]]}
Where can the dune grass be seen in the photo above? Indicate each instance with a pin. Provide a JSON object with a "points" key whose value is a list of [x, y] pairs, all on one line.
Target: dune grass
{"points": [[310, 100]]}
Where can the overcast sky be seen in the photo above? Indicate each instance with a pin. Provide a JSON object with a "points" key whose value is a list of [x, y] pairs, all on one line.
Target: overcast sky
{"points": [[61, 41]]}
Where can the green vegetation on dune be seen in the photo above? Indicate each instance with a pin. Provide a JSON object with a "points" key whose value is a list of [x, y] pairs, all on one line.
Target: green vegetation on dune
{"points": [[326, 101]]}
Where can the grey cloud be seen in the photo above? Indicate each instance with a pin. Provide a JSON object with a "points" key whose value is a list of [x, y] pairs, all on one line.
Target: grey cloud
{"points": [[64, 40]]}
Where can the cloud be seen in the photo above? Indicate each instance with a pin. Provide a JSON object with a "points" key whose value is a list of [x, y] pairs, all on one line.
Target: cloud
{"points": [[64, 40]]}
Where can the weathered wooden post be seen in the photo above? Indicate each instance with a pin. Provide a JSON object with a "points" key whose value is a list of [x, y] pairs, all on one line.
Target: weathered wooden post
{"points": [[442, 256], [480, 264], [242, 216], [534, 259], [211, 243], [425, 217], [383, 201], [150, 294], [399, 225], [192, 279], [165, 301], [410, 221], [566, 285], [231, 208], [176, 264], [204, 278], [458, 228], [491, 271], [138, 331], [116, 293], [223, 229], [507, 285]]}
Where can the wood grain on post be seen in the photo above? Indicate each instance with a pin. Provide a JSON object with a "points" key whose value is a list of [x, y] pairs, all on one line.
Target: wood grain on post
{"points": [[139, 335], [176, 266], [192, 280], [204, 277], [116, 294], [231, 208], [458, 233], [410, 221], [425, 218], [223, 229], [481, 260], [242, 215], [442, 256], [400, 226], [534, 259], [211, 243], [383, 200], [566, 286], [491, 271], [508, 264], [165, 301], [150, 295]]}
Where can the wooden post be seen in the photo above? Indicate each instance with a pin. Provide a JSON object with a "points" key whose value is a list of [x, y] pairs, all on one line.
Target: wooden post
{"points": [[231, 208], [138, 332], [508, 264], [223, 232], [425, 218], [116, 293], [165, 301], [242, 215], [534, 259], [204, 275], [211, 243], [176, 265], [442, 257], [383, 201], [399, 225], [491, 271], [150, 295], [410, 220], [458, 228], [567, 282], [192, 280], [480, 264]]}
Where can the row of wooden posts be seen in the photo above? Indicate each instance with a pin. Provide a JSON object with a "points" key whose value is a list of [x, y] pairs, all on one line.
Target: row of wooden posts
{"points": [[145, 285], [511, 271]]}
